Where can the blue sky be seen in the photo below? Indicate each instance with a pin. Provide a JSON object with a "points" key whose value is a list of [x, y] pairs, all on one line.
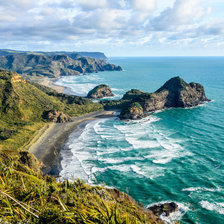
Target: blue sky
{"points": [[115, 27]]}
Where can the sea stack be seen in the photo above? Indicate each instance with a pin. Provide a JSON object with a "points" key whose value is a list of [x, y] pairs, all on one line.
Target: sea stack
{"points": [[174, 93], [100, 91]]}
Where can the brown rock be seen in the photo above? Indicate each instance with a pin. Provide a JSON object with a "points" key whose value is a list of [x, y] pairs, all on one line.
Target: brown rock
{"points": [[56, 116]]}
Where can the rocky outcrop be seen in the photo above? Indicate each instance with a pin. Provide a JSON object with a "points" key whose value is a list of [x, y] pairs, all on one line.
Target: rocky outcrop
{"points": [[133, 112], [174, 93], [56, 116], [164, 209], [54, 66], [100, 91]]}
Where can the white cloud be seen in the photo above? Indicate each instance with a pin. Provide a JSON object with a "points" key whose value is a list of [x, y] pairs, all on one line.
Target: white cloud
{"points": [[92, 4], [183, 12], [82, 23], [144, 5]]}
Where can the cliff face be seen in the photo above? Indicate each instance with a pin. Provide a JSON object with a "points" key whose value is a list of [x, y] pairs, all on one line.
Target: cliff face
{"points": [[100, 91], [54, 66]]}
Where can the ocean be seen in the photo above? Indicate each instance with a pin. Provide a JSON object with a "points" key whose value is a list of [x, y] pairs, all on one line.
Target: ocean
{"points": [[173, 155]]}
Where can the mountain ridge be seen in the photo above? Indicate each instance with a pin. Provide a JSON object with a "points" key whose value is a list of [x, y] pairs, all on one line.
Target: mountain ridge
{"points": [[97, 55], [54, 66]]}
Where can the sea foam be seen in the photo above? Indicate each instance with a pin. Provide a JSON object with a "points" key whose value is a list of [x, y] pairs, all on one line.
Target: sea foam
{"points": [[215, 206]]}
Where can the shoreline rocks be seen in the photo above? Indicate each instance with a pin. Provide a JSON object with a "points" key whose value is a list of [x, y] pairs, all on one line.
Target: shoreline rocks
{"points": [[164, 209]]}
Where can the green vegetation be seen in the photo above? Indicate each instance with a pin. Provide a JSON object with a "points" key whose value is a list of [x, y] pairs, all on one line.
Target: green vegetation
{"points": [[22, 104], [132, 94], [26, 196], [136, 105], [133, 108]]}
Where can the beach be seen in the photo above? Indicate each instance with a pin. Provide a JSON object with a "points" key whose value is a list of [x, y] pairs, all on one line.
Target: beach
{"points": [[48, 145]]}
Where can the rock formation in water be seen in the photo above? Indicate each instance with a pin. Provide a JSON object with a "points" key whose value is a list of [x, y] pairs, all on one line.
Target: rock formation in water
{"points": [[164, 209], [174, 93], [100, 91]]}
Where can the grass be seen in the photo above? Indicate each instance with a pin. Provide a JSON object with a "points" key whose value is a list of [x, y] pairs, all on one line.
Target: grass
{"points": [[22, 104], [27, 196]]}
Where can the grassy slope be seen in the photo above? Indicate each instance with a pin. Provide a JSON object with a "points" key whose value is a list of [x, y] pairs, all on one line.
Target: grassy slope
{"points": [[29, 197], [21, 107]]}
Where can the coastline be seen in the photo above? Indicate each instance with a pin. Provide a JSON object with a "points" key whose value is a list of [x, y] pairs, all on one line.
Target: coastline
{"points": [[48, 145]]}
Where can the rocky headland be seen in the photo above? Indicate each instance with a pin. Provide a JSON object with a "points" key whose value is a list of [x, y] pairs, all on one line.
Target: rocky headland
{"points": [[54, 66], [100, 91], [174, 93]]}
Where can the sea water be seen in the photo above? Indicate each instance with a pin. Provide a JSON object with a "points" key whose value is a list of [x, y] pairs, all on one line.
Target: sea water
{"points": [[173, 155]]}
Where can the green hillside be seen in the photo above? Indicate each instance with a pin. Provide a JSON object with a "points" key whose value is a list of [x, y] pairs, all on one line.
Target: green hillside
{"points": [[22, 105]]}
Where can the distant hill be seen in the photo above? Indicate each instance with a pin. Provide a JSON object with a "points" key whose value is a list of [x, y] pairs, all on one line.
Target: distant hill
{"points": [[54, 66], [97, 55]]}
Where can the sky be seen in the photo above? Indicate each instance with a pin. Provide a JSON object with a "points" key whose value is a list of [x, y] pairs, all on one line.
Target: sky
{"points": [[115, 27]]}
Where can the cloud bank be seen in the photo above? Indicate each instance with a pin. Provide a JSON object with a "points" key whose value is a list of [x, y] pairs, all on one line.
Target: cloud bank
{"points": [[120, 27]]}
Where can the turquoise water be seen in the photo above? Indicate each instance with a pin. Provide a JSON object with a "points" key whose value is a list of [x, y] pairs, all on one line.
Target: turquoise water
{"points": [[173, 155]]}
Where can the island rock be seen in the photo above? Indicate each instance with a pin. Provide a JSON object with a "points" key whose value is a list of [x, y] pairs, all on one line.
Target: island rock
{"points": [[100, 91], [174, 93]]}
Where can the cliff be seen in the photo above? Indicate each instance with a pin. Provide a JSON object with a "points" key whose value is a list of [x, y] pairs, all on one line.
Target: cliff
{"points": [[54, 66]]}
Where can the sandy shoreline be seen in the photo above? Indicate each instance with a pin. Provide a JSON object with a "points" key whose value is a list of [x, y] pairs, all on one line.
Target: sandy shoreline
{"points": [[48, 146]]}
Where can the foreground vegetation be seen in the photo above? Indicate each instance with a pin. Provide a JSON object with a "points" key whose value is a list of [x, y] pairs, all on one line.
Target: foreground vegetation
{"points": [[26, 196]]}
